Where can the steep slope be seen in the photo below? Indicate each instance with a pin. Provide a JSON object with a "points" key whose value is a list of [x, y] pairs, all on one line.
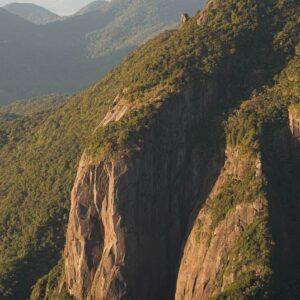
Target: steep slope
{"points": [[143, 177], [67, 56], [150, 136], [136, 21], [244, 241], [32, 13]]}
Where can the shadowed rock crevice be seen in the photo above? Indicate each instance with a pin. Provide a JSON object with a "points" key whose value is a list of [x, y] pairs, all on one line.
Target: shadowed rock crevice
{"points": [[282, 165], [211, 256]]}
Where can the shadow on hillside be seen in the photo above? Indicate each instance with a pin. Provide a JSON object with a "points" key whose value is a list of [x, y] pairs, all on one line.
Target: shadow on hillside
{"points": [[211, 140], [281, 160], [208, 142]]}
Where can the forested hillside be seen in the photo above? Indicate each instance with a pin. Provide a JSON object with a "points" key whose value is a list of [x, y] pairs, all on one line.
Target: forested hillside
{"points": [[187, 162], [32, 106]]}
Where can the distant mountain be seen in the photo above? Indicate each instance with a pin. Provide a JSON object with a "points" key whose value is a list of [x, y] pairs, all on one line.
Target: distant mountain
{"points": [[32, 13], [13, 27], [134, 21], [67, 56], [94, 6], [57, 6]]}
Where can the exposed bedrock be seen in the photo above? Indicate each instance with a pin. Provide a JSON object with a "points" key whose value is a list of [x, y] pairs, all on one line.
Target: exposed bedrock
{"points": [[130, 216]]}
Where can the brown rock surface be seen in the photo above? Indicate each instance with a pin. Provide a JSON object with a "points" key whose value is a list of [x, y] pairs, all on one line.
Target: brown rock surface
{"points": [[129, 216], [184, 19], [206, 254], [294, 123], [208, 248]]}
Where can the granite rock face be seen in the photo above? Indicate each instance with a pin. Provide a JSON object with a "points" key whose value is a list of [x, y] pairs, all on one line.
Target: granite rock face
{"points": [[207, 251], [130, 216], [294, 123]]}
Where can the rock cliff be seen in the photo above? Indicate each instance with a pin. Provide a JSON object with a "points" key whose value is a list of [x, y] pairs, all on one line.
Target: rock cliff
{"points": [[165, 205], [129, 216], [213, 258]]}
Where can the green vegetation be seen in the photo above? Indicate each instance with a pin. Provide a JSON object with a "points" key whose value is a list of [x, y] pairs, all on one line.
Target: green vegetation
{"points": [[194, 54], [254, 260], [32, 106], [39, 156], [39, 153], [250, 262], [48, 286], [121, 137], [244, 130], [246, 189], [134, 23]]}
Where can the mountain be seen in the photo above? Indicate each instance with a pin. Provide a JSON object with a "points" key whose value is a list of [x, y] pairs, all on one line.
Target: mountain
{"points": [[93, 6], [134, 22], [14, 24], [57, 6], [176, 176], [67, 56], [32, 13], [65, 6]]}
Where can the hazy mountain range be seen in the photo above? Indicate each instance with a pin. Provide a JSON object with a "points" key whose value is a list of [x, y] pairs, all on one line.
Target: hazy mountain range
{"points": [[68, 55], [32, 13], [57, 6]]}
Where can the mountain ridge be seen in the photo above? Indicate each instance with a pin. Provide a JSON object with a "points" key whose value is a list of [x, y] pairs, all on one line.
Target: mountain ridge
{"points": [[67, 56], [95, 5], [32, 13], [58, 7]]}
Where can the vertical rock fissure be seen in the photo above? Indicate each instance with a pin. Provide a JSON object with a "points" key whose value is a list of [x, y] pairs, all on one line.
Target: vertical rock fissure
{"points": [[281, 166]]}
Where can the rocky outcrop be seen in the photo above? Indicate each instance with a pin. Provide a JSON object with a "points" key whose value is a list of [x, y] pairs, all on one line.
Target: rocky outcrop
{"points": [[209, 250], [95, 254], [129, 216], [206, 254], [184, 19], [203, 18], [121, 107], [294, 120]]}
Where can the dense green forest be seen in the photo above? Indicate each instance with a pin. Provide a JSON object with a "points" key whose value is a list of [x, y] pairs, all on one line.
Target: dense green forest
{"points": [[254, 41], [32, 106]]}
